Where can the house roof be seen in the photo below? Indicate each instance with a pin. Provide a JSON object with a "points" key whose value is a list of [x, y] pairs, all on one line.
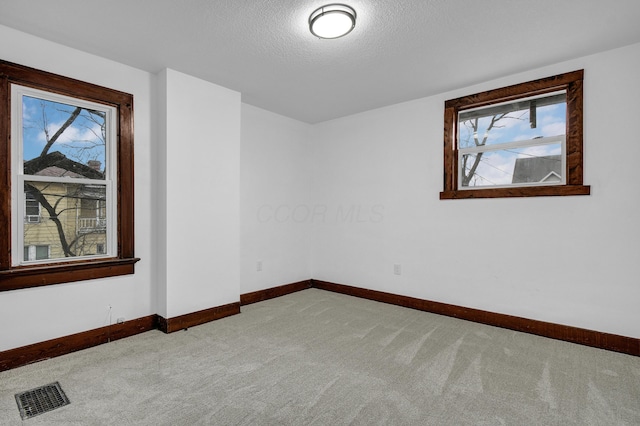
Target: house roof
{"points": [[58, 165], [537, 169]]}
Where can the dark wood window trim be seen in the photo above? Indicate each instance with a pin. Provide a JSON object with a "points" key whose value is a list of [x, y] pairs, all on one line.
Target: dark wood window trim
{"points": [[15, 277], [571, 82]]}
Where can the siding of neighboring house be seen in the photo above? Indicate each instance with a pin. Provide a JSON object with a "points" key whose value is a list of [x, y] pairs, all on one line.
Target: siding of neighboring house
{"points": [[79, 221]]}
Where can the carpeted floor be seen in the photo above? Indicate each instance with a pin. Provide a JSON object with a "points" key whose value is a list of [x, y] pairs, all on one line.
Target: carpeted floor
{"points": [[320, 358]]}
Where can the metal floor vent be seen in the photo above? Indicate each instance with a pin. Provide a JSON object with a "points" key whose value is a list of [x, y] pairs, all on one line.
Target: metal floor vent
{"points": [[40, 400]]}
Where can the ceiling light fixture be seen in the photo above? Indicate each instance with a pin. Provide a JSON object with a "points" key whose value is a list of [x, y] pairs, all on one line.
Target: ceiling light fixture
{"points": [[332, 21]]}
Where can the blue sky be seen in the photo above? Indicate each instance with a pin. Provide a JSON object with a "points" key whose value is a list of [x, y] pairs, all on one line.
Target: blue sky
{"points": [[81, 142]]}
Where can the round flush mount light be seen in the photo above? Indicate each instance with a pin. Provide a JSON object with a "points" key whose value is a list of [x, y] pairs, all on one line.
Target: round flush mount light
{"points": [[332, 21]]}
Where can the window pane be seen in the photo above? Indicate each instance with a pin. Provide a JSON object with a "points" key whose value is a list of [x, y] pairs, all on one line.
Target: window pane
{"points": [[73, 219], [42, 252], [539, 164], [63, 140], [32, 207], [515, 121]]}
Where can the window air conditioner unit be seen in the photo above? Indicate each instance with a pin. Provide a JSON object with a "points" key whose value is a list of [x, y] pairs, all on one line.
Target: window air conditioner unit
{"points": [[33, 218]]}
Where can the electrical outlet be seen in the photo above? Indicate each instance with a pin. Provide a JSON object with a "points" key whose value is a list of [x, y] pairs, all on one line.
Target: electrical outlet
{"points": [[120, 320], [397, 269], [259, 265]]}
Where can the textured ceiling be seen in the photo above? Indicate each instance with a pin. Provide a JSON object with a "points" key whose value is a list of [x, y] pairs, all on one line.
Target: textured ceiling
{"points": [[399, 50]]}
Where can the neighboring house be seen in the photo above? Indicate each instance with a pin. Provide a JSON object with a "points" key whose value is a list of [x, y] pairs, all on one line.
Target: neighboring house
{"points": [[80, 210], [538, 169]]}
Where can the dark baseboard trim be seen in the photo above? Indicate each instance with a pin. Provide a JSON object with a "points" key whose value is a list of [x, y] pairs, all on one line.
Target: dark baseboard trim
{"points": [[24, 355], [270, 293], [596, 339], [169, 325], [18, 357], [40, 351]]}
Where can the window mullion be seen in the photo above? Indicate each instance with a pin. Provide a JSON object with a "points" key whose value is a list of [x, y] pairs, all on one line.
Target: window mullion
{"points": [[53, 179], [511, 145], [18, 236]]}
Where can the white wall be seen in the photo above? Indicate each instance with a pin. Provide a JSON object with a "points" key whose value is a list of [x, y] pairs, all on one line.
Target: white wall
{"points": [[276, 208], [37, 314], [199, 205], [567, 260]]}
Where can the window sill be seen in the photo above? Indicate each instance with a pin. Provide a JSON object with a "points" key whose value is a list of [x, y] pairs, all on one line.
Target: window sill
{"points": [[35, 276], [539, 191]]}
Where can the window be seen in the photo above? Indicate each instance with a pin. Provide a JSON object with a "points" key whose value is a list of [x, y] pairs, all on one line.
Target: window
{"points": [[36, 252], [68, 147], [60, 146], [31, 209], [518, 141]]}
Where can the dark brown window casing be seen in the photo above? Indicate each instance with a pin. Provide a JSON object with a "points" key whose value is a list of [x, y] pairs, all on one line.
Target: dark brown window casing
{"points": [[16, 277], [570, 82]]}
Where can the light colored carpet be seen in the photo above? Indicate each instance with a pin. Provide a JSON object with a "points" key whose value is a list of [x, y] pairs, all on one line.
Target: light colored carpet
{"points": [[320, 358]]}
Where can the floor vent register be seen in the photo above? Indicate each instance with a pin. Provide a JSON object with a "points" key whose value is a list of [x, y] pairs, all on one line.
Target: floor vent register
{"points": [[41, 400]]}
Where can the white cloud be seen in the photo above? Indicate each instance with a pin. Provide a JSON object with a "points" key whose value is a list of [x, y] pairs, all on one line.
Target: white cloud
{"points": [[554, 129], [516, 126], [73, 134]]}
